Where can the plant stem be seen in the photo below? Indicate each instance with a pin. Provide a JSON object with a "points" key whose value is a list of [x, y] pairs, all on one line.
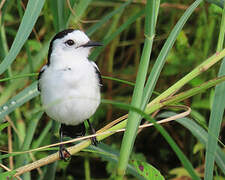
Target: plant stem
{"points": [[216, 115], [133, 117], [184, 95], [195, 72], [87, 168]]}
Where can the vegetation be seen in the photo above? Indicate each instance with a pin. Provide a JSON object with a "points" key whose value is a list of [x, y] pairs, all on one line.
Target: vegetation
{"points": [[161, 61]]}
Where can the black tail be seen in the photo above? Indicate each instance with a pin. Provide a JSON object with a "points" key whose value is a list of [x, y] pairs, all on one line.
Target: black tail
{"points": [[73, 131]]}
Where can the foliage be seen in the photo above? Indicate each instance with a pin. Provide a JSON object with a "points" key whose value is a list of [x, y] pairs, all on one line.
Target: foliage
{"points": [[152, 49]]}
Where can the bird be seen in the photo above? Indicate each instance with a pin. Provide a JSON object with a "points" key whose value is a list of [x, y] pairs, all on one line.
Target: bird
{"points": [[70, 84]]}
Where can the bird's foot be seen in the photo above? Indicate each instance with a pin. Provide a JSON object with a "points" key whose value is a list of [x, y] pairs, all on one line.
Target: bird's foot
{"points": [[64, 153], [94, 141]]}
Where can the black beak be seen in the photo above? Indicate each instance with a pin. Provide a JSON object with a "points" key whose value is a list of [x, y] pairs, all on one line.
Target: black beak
{"points": [[92, 44]]}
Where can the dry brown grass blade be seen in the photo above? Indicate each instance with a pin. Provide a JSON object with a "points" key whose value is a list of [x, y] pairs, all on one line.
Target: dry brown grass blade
{"points": [[9, 132]]}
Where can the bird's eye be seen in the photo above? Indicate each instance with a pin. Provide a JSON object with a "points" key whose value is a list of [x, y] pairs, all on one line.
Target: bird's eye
{"points": [[70, 42]]}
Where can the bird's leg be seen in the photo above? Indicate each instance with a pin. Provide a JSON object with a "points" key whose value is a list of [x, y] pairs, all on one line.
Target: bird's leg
{"points": [[93, 139], [63, 152]]}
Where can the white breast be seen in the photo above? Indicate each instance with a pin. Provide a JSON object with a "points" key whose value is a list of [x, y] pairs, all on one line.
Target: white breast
{"points": [[70, 92]]}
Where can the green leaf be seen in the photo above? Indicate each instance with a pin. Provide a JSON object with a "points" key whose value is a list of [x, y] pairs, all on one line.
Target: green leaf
{"points": [[7, 175], [58, 13], [200, 134], [198, 147], [4, 125], [216, 115], [215, 121], [20, 83], [29, 19], [80, 9], [179, 172], [18, 100], [147, 170], [217, 2], [106, 41], [111, 155], [106, 18], [186, 163], [161, 59], [28, 139]]}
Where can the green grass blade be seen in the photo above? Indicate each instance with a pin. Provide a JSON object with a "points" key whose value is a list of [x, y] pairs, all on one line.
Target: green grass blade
{"points": [[7, 175], [3, 43], [19, 76], [20, 83], [80, 9], [116, 80], [3, 11], [215, 121], [195, 72], [4, 125], [57, 10], [30, 17], [186, 163], [222, 32], [51, 171], [217, 2], [185, 95], [109, 154], [216, 115], [28, 139], [37, 143], [31, 130], [106, 41], [18, 100], [106, 18], [160, 61], [133, 117], [200, 134]]}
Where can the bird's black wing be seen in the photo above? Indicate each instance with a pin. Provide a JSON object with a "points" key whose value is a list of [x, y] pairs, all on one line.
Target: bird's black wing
{"points": [[98, 73], [99, 76], [39, 77]]}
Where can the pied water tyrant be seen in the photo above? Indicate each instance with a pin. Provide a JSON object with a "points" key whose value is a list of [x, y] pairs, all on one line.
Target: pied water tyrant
{"points": [[70, 83]]}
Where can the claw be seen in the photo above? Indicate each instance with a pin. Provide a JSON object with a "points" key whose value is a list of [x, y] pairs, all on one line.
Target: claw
{"points": [[64, 153], [94, 141], [68, 130]]}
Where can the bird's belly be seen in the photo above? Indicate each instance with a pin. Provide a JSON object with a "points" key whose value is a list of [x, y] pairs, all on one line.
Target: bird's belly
{"points": [[71, 105]]}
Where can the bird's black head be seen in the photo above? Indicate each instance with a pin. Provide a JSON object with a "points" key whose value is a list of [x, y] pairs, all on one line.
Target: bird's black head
{"points": [[72, 43], [57, 36]]}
